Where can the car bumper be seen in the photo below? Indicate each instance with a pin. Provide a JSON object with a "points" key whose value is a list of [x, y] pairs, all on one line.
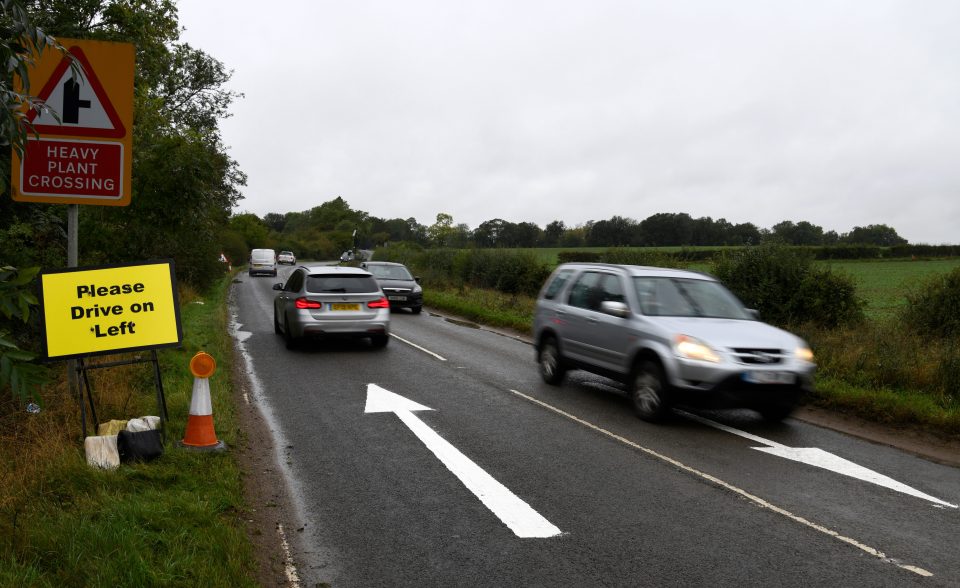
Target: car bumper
{"points": [[745, 387], [308, 326], [405, 301]]}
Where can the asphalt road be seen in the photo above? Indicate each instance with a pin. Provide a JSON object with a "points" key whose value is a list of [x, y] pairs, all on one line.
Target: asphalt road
{"points": [[582, 493]]}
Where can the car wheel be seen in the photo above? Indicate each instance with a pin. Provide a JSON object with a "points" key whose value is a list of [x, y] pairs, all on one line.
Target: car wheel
{"points": [[288, 337], [417, 309], [550, 362], [276, 323], [776, 411], [379, 341], [648, 392]]}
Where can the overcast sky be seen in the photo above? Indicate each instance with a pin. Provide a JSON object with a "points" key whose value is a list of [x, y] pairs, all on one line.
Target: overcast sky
{"points": [[838, 112]]}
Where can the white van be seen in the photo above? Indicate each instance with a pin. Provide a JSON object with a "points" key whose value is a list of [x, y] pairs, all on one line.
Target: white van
{"points": [[263, 261]]}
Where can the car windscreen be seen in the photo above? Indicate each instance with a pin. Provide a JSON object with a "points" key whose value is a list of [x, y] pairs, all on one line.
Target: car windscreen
{"points": [[662, 296], [390, 272], [341, 284]]}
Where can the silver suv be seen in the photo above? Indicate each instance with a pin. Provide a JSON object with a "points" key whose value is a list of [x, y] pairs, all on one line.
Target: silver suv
{"points": [[672, 336]]}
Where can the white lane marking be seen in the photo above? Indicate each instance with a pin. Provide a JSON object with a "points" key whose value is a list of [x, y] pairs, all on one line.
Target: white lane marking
{"points": [[411, 344], [755, 499], [514, 512], [289, 569], [822, 459]]}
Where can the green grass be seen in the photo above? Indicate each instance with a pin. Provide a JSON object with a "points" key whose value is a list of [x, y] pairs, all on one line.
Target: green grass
{"points": [[484, 306], [884, 284], [173, 521]]}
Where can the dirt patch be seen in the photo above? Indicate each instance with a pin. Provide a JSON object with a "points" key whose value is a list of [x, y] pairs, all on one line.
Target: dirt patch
{"points": [[268, 504]]}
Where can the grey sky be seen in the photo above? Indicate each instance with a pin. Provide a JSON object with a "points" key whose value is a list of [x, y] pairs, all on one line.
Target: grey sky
{"points": [[841, 113]]}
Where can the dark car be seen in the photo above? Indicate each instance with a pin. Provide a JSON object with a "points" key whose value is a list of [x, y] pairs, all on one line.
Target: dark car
{"points": [[323, 300], [400, 286]]}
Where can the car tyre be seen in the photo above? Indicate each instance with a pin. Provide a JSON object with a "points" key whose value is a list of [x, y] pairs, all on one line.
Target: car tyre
{"points": [[276, 323], [417, 309], [379, 341], [550, 362], [649, 393], [776, 411], [288, 338]]}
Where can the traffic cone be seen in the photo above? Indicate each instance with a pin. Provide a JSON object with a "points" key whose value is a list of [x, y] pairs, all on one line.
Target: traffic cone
{"points": [[200, 434]]}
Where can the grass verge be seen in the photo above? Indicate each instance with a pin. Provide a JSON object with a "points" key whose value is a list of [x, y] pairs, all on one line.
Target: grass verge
{"points": [[173, 521]]}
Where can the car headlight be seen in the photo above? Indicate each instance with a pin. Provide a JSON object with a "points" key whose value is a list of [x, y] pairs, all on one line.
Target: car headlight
{"points": [[804, 353], [692, 348]]}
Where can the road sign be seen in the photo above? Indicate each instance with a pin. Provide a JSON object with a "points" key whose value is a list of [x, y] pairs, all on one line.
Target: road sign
{"points": [[109, 309], [83, 154]]}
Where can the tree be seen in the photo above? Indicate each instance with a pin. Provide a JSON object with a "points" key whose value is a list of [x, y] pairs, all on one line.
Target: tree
{"points": [[881, 235], [801, 233], [253, 230], [184, 183], [489, 233], [664, 229], [552, 233], [441, 231], [616, 232]]}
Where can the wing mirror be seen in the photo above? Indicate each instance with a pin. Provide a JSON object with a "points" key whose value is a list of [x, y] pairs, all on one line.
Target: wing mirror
{"points": [[618, 309], [278, 286]]}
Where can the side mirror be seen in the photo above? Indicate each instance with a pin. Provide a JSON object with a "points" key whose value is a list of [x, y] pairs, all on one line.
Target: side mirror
{"points": [[617, 309], [416, 279], [278, 286]]}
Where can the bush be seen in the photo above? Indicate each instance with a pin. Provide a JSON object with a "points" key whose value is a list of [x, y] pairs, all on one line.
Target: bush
{"points": [[934, 307], [641, 257], [784, 285], [511, 272]]}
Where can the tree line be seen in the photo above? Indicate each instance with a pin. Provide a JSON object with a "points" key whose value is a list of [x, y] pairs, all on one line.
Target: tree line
{"points": [[326, 230]]}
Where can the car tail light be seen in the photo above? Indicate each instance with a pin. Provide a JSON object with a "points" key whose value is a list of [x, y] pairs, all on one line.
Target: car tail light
{"points": [[307, 303], [381, 303]]}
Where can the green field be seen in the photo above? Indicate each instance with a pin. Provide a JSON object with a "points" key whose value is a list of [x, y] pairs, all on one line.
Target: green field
{"points": [[884, 284]]}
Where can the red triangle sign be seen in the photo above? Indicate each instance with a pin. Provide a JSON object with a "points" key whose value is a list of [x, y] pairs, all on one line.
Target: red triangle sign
{"points": [[82, 105]]}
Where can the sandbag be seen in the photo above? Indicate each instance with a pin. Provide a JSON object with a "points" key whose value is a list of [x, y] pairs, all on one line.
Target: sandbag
{"points": [[147, 423], [139, 446], [102, 451], [111, 427]]}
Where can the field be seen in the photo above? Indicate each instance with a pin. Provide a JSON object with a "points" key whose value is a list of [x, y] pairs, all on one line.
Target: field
{"points": [[884, 284]]}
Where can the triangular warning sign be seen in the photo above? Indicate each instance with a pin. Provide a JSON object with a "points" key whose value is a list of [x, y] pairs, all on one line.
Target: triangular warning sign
{"points": [[82, 104]]}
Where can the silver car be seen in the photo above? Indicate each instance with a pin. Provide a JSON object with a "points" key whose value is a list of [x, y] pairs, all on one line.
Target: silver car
{"points": [[322, 300], [672, 336]]}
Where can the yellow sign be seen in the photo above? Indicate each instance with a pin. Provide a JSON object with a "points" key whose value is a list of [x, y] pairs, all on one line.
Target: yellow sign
{"points": [[91, 311], [84, 152]]}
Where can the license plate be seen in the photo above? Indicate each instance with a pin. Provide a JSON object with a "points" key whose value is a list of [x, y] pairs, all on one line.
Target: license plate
{"points": [[397, 298], [763, 377], [341, 306]]}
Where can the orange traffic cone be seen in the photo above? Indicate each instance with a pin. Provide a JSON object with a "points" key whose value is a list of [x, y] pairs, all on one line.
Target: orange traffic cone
{"points": [[200, 434]]}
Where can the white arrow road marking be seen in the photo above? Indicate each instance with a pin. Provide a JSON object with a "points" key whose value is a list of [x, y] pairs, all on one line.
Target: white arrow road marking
{"points": [[822, 459], [515, 513]]}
